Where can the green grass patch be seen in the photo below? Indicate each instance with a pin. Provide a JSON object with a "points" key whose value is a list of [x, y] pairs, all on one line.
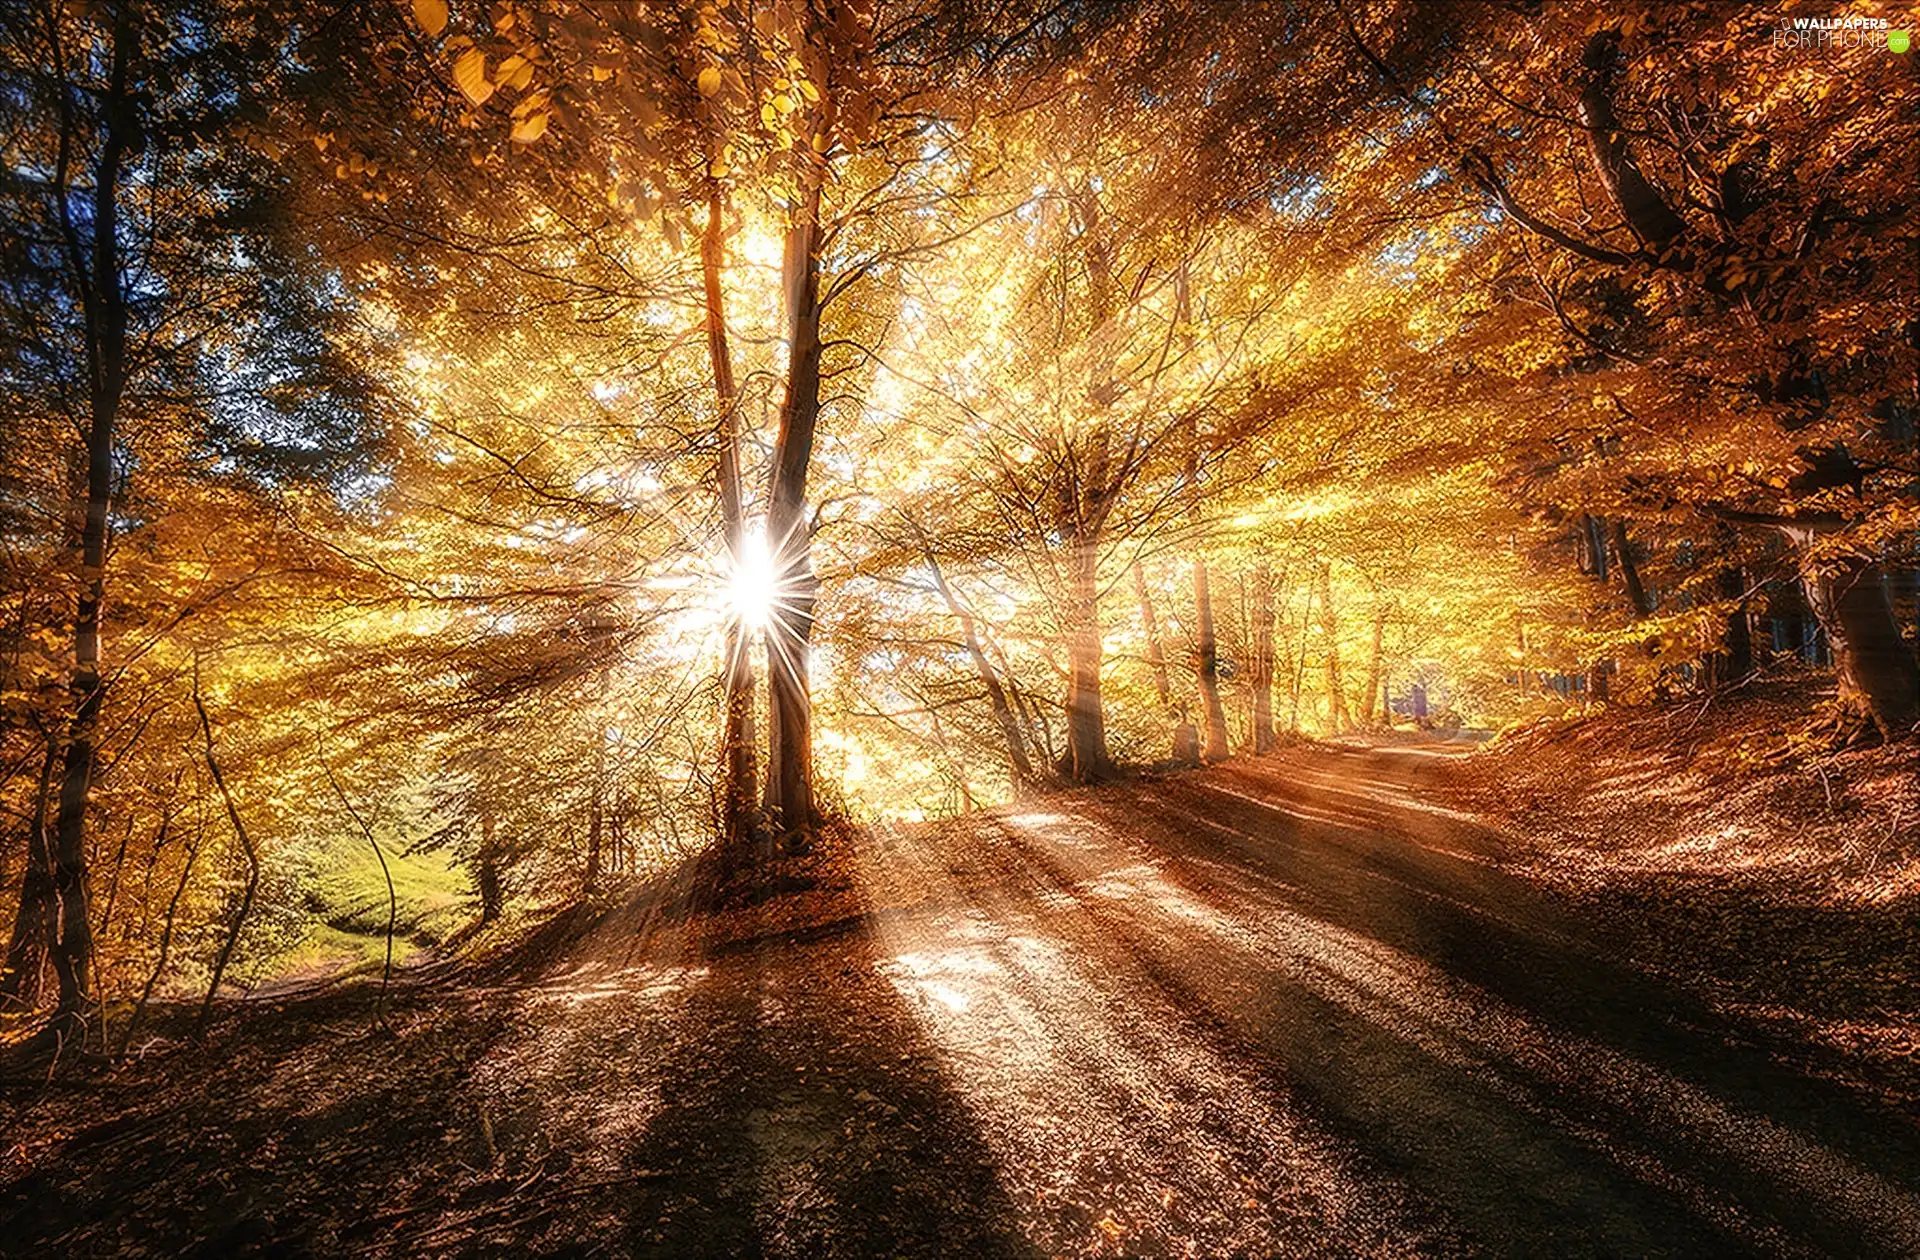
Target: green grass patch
{"points": [[349, 893]]}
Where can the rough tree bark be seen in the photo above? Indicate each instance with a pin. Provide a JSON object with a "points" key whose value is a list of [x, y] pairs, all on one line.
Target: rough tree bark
{"points": [[104, 313], [789, 786], [1086, 759], [1877, 674], [1206, 664], [736, 683]]}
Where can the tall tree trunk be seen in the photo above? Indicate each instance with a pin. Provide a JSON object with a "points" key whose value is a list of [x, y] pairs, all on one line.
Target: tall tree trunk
{"points": [[597, 802], [1262, 737], [1373, 706], [736, 682], [1206, 664], [36, 915], [1156, 654], [1732, 658], [789, 788], [1018, 762], [1594, 534], [487, 878], [1338, 719], [1299, 681], [1637, 593], [103, 306], [1086, 758], [1186, 741], [1877, 674]]}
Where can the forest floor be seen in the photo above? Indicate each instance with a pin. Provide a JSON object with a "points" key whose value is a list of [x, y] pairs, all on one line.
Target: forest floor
{"points": [[1343, 1000]]}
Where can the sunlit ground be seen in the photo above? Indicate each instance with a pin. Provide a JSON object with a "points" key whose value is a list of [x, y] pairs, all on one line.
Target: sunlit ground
{"points": [[1122, 1022]]}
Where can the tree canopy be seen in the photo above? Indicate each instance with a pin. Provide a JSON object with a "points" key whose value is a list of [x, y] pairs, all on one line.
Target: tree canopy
{"points": [[536, 440]]}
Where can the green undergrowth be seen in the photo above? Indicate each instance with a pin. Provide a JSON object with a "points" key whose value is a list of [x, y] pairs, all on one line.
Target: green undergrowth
{"points": [[346, 905]]}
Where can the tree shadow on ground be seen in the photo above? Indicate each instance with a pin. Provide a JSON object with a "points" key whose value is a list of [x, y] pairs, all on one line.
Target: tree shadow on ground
{"points": [[1533, 952], [800, 1113]]}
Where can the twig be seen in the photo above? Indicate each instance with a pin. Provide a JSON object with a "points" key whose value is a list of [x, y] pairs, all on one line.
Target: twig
{"points": [[386, 974], [246, 843]]}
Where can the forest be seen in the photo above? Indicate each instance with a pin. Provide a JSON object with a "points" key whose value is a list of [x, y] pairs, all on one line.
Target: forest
{"points": [[574, 572]]}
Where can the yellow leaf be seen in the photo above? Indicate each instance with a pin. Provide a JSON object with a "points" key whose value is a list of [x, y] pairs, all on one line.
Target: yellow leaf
{"points": [[530, 128], [709, 81], [470, 76], [431, 15]]}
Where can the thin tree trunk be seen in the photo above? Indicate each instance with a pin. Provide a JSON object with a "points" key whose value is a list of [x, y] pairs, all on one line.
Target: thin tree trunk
{"points": [[1156, 653], [393, 902], [1262, 735], [1039, 736], [1596, 546], [34, 918], [1522, 675], [1373, 706], [166, 946], [1338, 719], [1186, 741], [736, 683], [789, 788], [246, 845], [597, 802], [1018, 761], [487, 879], [1300, 664], [1206, 664], [1732, 659]]}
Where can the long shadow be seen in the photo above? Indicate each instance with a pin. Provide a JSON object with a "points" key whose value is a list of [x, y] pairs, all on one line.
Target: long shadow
{"points": [[811, 1118], [278, 1139], [1523, 1181], [296, 1129]]}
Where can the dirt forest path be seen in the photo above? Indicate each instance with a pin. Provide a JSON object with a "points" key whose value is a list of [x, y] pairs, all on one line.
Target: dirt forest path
{"points": [[1279, 1007]]}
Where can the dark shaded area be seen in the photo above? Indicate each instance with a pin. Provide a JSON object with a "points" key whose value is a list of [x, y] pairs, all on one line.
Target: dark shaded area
{"points": [[799, 1114]]}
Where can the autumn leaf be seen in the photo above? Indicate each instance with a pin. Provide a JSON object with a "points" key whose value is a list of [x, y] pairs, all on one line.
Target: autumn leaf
{"points": [[530, 128], [709, 81], [470, 76], [431, 15]]}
